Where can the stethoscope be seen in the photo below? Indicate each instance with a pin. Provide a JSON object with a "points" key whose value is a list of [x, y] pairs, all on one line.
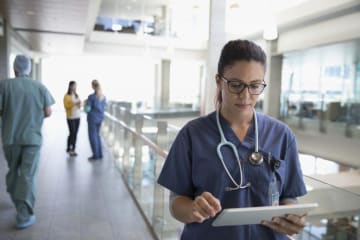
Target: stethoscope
{"points": [[255, 158]]}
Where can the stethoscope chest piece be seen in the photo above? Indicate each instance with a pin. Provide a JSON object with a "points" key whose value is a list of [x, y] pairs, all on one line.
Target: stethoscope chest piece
{"points": [[256, 158]]}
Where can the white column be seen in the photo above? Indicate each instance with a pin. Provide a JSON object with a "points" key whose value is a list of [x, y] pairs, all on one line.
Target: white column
{"points": [[162, 85], [217, 39], [4, 50], [273, 80], [165, 83], [157, 86]]}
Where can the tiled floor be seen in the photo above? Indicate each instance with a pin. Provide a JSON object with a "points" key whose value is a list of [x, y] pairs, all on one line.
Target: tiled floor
{"points": [[76, 199]]}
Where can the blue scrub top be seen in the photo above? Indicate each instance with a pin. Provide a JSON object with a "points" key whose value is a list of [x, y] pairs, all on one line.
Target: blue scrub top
{"points": [[97, 108], [193, 166]]}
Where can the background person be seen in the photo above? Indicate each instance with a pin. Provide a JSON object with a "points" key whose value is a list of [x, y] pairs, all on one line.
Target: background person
{"points": [[203, 181], [72, 104], [95, 108], [24, 103]]}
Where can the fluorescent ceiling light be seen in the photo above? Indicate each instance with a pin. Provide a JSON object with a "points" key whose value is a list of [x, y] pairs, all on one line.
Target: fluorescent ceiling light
{"points": [[116, 27]]}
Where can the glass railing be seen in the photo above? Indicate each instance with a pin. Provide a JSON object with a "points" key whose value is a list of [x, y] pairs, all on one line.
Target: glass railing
{"points": [[140, 143], [338, 214], [340, 121], [326, 136]]}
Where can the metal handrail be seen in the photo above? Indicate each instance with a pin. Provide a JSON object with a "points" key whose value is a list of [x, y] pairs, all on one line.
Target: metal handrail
{"points": [[146, 140]]}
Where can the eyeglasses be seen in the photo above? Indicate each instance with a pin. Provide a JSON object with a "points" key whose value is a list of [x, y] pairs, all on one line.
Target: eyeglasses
{"points": [[237, 87]]}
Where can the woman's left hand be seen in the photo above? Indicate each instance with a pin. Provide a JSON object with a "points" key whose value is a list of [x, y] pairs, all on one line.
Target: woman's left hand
{"points": [[291, 224]]}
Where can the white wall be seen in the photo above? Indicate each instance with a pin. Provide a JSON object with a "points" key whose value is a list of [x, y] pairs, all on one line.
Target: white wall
{"points": [[331, 31]]}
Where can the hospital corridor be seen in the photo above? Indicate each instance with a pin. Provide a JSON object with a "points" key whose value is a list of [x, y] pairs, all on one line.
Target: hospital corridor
{"points": [[76, 198], [173, 118]]}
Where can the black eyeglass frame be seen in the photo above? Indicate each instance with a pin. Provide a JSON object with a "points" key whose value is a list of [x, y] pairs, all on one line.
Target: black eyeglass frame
{"points": [[228, 82]]}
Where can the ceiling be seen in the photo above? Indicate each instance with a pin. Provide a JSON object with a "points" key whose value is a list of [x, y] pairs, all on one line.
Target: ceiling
{"points": [[49, 25], [62, 26], [131, 9]]}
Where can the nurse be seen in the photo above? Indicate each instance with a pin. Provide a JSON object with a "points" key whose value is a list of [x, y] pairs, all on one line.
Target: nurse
{"points": [[202, 184], [95, 108]]}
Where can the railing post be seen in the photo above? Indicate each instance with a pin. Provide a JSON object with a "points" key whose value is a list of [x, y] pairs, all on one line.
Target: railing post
{"points": [[127, 145], [139, 123], [159, 192], [106, 126], [110, 136], [301, 125], [348, 132], [117, 141], [321, 117]]}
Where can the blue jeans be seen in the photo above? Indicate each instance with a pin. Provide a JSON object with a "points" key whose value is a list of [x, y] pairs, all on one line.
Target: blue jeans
{"points": [[94, 138]]}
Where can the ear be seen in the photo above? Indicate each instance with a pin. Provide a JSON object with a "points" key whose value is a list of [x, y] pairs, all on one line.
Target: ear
{"points": [[218, 87], [218, 80]]}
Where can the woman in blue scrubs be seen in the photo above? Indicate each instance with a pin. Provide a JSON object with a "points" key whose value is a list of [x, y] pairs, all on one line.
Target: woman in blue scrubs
{"points": [[95, 108], [202, 184]]}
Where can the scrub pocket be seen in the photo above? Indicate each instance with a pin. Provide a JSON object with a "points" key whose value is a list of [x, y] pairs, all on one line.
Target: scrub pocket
{"points": [[266, 181]]}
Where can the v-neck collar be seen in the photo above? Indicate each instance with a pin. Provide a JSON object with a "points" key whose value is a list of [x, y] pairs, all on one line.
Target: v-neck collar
{"points": [[230, 135]]}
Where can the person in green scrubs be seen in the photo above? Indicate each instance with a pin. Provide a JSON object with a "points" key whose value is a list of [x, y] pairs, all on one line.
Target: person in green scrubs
{"points": [[24, 103]]}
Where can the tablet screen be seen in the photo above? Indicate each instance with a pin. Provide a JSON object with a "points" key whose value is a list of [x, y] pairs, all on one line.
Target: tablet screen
{"points": [[254, 215]]}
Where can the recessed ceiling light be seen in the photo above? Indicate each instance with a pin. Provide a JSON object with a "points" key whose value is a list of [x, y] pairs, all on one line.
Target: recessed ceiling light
{"points": [[30, 12]]}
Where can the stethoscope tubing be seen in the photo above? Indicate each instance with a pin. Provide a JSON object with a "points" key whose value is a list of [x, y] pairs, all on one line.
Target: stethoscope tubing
{"points": [[221, 144], [225, 142]]}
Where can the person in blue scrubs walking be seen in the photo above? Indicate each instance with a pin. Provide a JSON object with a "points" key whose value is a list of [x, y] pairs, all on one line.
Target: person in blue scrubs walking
{"points": [[203, 181], [95, 108], [24, 103]]}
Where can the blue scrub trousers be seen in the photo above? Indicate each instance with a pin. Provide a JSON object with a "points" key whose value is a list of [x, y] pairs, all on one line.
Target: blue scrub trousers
{"points": [[94, 138], [20, 180]]}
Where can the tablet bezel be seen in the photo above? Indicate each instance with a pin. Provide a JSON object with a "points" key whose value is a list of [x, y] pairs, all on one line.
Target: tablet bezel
{"points": [[254, 215]]}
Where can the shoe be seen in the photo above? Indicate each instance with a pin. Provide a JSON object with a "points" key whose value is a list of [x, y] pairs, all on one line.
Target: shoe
{"points": [[25, 224], [73, 154]]}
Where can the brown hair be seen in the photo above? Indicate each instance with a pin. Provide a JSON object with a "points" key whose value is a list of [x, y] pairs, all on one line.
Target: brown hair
{"points": [[238, 50]]}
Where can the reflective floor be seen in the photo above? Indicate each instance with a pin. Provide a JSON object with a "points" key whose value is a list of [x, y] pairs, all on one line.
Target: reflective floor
{"points": [[76, 198]]}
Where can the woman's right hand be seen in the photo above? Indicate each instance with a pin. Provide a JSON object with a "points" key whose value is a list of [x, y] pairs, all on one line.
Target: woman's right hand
{"points": [[204, 207]]}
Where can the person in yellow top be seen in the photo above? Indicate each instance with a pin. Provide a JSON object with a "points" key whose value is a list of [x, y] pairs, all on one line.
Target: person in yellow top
{"points": [[72, 104]]}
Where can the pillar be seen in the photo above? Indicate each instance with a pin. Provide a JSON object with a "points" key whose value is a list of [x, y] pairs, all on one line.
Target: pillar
{"points": [[272, 93], [162, 85], [217, 39], [4, 63]]}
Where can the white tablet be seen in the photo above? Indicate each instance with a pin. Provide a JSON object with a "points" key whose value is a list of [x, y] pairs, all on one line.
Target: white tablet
{"points": [[254, 215]]}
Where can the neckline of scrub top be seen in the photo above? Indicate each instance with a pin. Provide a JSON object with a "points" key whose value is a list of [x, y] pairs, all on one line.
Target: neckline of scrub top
{"points": [[230, 135]]}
